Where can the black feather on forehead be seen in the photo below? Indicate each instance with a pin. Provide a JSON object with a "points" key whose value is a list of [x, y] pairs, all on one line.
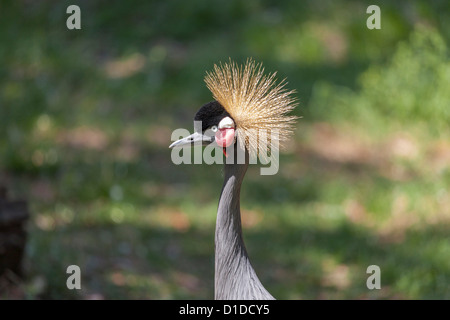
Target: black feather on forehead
{"points": [[210, 115]]}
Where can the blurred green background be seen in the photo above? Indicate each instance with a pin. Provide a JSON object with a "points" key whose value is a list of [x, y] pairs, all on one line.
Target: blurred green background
{"points": [[86, 118]]}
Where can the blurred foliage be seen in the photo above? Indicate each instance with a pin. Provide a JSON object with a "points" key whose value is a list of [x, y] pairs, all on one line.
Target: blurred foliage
{"points": [[86, 117], [411, 88]]}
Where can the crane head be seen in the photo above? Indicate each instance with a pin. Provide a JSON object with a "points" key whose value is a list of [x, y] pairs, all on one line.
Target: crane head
{"points": [[211, 123], [248, 105]]}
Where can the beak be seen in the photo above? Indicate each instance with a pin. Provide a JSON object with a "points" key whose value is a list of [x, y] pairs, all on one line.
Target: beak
{"points": [[194, 139]]}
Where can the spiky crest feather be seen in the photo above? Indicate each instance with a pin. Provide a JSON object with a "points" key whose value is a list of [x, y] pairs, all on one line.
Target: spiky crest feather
{"points": [[255, 101]]}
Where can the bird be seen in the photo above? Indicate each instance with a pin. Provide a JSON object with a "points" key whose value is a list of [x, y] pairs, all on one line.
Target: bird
{"points": [[246, 103]]}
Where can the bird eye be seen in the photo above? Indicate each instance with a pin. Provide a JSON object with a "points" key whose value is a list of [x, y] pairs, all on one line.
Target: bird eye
{"points": [[214, 128]]}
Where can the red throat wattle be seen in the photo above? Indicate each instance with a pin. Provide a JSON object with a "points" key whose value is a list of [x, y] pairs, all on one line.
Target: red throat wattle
{"points": [[225, 138]]}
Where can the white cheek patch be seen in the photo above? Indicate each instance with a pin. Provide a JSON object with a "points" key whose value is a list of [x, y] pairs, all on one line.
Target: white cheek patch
{"points": [[225, 137], [226, 123]]}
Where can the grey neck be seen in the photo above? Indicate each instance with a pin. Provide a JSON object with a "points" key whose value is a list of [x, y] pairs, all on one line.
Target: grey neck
{"points": [[235, 278]]}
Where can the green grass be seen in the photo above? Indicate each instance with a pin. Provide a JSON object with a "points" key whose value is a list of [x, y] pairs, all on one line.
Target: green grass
{"points": [[86, 118]]}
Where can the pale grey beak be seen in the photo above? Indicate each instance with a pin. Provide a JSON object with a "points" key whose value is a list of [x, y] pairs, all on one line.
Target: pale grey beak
{"points": [[194, 139]]}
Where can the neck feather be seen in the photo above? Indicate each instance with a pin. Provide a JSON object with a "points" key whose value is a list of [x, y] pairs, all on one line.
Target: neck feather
{"points": [[235, 278]]}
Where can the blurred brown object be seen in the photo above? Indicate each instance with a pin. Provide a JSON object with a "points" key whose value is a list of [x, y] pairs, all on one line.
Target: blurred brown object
{"points": [[13, 236]]}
